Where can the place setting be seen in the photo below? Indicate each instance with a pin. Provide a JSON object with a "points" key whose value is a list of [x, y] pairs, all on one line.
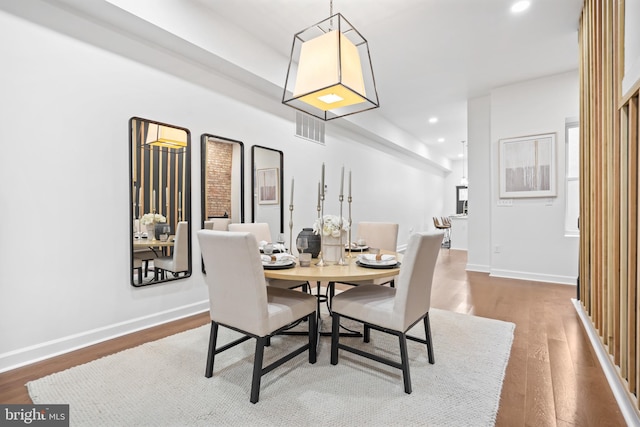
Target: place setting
{"points": [[377, 261], [274, 259]]}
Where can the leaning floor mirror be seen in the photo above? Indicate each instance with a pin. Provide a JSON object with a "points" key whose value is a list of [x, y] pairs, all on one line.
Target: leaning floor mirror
{"points": [[222, 175], [160, 200], [266, 184]]}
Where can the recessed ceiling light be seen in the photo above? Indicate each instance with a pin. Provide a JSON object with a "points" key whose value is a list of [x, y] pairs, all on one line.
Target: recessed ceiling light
{"points": [[433, 120], [520, 6], [440, 139]]}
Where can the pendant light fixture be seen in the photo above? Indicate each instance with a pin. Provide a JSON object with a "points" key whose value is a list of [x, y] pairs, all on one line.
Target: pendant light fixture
{"points": [[164, 136], [330, 73]]}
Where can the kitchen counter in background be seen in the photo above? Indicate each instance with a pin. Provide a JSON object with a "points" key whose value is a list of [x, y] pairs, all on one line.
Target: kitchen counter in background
{"points": [[459, 233]]}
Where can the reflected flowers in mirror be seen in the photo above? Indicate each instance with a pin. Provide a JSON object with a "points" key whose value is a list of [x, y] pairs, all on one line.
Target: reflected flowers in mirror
{"points": [[150, 218], [331, 225]]}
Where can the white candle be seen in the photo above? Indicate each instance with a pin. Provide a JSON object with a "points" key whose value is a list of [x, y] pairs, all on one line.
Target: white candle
{"points": [[322, 179], [349, 182], [139, 201], [318, 195], [342, 182], [291, 200]]}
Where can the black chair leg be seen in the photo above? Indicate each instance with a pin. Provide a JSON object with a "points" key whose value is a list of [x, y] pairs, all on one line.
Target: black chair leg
{"points": [[257, 369], [213, 338], [404, 357], [313, 337], [367, 334], [335, 336], [427, 334]]}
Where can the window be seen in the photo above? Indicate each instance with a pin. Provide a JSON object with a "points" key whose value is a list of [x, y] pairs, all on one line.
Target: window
{"points": [[572, 212]]}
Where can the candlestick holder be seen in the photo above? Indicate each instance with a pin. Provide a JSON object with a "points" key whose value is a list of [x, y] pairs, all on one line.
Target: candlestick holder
{"points": [[153, 225], [341, 261], [350, 222], [179, 214], [290, 228], [321, 262]]}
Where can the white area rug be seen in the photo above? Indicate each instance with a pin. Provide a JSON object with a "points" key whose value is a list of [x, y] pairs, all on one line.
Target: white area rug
{"points": [[162, 383]]}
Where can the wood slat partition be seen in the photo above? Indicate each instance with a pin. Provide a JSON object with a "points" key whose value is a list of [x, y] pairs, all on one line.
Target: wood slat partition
{"points": [[609, 189]]}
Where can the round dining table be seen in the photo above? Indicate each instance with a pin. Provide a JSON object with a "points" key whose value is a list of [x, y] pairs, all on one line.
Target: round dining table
{"points": [[331, 273]]}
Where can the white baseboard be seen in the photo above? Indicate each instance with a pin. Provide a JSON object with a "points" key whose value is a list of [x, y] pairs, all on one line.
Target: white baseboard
{"points": [[536, 277], [479, 268], [25, 356], [620, 393]]}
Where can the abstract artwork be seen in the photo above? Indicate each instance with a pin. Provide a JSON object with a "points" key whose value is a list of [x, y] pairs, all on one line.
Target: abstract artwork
{"points": [[268, 191], [528, 166]]}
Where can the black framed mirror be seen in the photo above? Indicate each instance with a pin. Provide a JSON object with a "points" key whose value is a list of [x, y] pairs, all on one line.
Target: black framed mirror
{"points": [[160, 201], [222, 175], [267, 178]]}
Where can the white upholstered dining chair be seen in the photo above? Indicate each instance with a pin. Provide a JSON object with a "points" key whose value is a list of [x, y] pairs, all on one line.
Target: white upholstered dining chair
{"points": [[379, 235], [240, 300], [220, 224], [178, 261], [262, 232], [393, 310]]}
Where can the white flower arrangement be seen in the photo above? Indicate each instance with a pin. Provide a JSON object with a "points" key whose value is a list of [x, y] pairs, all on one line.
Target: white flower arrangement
{"points": [[330, 226], [150, 218]]}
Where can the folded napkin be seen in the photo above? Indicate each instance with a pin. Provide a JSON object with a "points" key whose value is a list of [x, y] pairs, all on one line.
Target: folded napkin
{"points": [[277, 257], [377, 257]]}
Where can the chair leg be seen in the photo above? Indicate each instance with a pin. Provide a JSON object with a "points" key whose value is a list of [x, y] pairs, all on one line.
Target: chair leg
{"points": [[404, 357], [335, 336], [257, 369], [367, 334], [213, 338], [313, 337], [427, 334]]}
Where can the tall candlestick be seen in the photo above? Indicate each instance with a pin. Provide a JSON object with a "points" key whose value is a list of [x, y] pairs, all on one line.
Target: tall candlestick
{"points": [[342, 182], [322, 179], [153, 201], [349, 182], [291, 200], [318, 196], [166, 196]]}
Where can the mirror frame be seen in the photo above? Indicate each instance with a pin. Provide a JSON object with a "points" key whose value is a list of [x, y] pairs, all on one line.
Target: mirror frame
{"points": [[254, 183], [134, 198]]}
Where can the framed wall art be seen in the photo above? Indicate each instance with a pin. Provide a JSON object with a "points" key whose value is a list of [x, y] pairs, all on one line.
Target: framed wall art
{"points": [[268, 191], [528, 166]]}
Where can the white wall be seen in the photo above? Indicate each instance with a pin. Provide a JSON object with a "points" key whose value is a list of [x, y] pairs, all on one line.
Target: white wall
{"points": [[479, 220], [64, 168], [530, 234]]}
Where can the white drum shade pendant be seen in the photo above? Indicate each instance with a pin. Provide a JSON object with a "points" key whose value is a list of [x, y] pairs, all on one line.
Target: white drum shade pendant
{"points": [[164, 136], [330, 73]]}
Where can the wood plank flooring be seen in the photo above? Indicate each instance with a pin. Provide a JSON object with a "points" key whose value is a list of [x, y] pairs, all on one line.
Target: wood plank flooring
{"points": [[553, 377]]}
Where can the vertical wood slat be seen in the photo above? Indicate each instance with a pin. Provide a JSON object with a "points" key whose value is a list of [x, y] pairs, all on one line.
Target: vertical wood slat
{"points": [[624, 245], [634, 351]]}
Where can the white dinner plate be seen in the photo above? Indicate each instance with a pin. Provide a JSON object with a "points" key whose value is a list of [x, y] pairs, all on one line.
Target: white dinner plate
{"points": [[370, 260]]}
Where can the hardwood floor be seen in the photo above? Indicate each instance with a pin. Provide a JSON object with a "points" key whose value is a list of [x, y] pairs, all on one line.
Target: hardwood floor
{"points": [[553, 377]]}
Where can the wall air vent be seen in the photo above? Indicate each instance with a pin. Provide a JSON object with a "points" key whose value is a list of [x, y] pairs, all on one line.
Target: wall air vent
{"points": [[310, 128]]}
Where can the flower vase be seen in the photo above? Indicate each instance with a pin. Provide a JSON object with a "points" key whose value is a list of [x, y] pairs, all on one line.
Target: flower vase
{"points": [[151, 231], [333, 247]]}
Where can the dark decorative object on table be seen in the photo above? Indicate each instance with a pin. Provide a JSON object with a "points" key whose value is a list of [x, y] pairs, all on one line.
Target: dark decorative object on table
{"points": [[313, 240], [162, 229]]}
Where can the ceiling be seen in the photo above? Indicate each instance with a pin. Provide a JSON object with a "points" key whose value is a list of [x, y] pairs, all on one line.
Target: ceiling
{"points": [[429, 56]]}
